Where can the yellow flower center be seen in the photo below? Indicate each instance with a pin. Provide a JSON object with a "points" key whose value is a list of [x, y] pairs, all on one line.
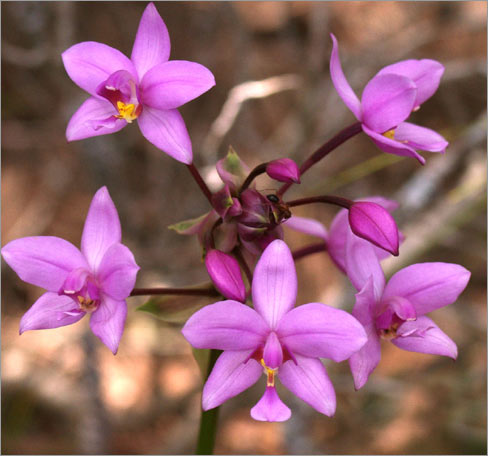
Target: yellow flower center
{"points": [[127, 111], [270, 374], [389, 333], [390, 134], [86, 304]]}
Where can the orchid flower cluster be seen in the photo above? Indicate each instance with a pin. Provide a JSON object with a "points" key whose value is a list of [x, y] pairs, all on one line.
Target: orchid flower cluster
{"points": [[255, 322]]}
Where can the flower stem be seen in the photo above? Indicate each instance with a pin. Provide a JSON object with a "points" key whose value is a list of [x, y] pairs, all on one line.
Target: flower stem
{"points": [[309, 250], [242, 262], [327, 199], [208, 419], [201, 183], [174, 291], [324, 150], [260, 169]]}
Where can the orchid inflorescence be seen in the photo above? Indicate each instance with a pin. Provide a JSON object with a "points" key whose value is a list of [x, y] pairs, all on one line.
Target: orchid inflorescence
{"points": [[257, 326]]}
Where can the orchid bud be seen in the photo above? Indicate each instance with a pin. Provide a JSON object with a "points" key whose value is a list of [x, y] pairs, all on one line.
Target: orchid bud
{"points": [[283, 170], [226, 275], [226, 205], [372, 222]]}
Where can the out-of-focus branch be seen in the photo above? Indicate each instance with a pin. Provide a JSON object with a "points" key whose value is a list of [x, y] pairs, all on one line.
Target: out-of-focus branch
{"points": [[232, 106]]}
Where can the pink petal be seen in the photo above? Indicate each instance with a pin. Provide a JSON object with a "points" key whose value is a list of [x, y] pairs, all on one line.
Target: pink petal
{"points": [[270, 407], [233, 373], [44, 261], [425, 73], [340, 82], [167, 131], [274, 287], [420, 137], [387, 100], [102, 228], [336, 245], [372, 222], [428, 286], [117, 272], [364, 362], [152, 45], [95, 117], [395, 307], [391, 146], [120, 86], [362, 263], [321, 331], [75, 281], [226, 274], [50, 311], [272, 352], [424, 336], [172, 84], [365, 307], [309, 381], [89, 63], [107, 322], [307, 226], [226, 325]]}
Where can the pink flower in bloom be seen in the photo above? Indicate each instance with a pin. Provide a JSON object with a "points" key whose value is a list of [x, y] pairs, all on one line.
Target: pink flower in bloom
{"points": [[94, 281], [277, 339], [388, 100], [396, 311], [146, 87]]}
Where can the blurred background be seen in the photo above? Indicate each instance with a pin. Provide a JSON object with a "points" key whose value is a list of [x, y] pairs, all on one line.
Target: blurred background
{"points": [[64, 392]]}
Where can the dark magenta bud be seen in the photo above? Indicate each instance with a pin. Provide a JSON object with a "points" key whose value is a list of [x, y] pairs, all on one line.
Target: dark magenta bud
{"points": [[225, 273], [283, 170]]}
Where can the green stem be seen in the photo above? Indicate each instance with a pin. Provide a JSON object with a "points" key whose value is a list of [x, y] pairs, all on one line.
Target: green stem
{"points": [[201, 183], [208, 420], [260, 169], [309, 250], [175, 291], [324, 150], [326, 199]]}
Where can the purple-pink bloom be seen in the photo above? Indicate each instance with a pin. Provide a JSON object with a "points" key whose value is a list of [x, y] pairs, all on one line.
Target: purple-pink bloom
{"points": [[388, 100], [147, 88], [274, 338], [95, 280], [396, 311]]}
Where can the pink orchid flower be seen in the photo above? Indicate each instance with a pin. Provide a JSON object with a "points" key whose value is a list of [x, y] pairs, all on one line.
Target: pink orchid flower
{"points": [[275, 338], [396, 311], [95, 280], [388, 100], [147, 88]]}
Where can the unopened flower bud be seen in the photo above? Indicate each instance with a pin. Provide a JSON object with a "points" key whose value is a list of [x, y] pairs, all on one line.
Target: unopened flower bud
{"points": [[283, 170], [372, 222], [226, 275]]}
